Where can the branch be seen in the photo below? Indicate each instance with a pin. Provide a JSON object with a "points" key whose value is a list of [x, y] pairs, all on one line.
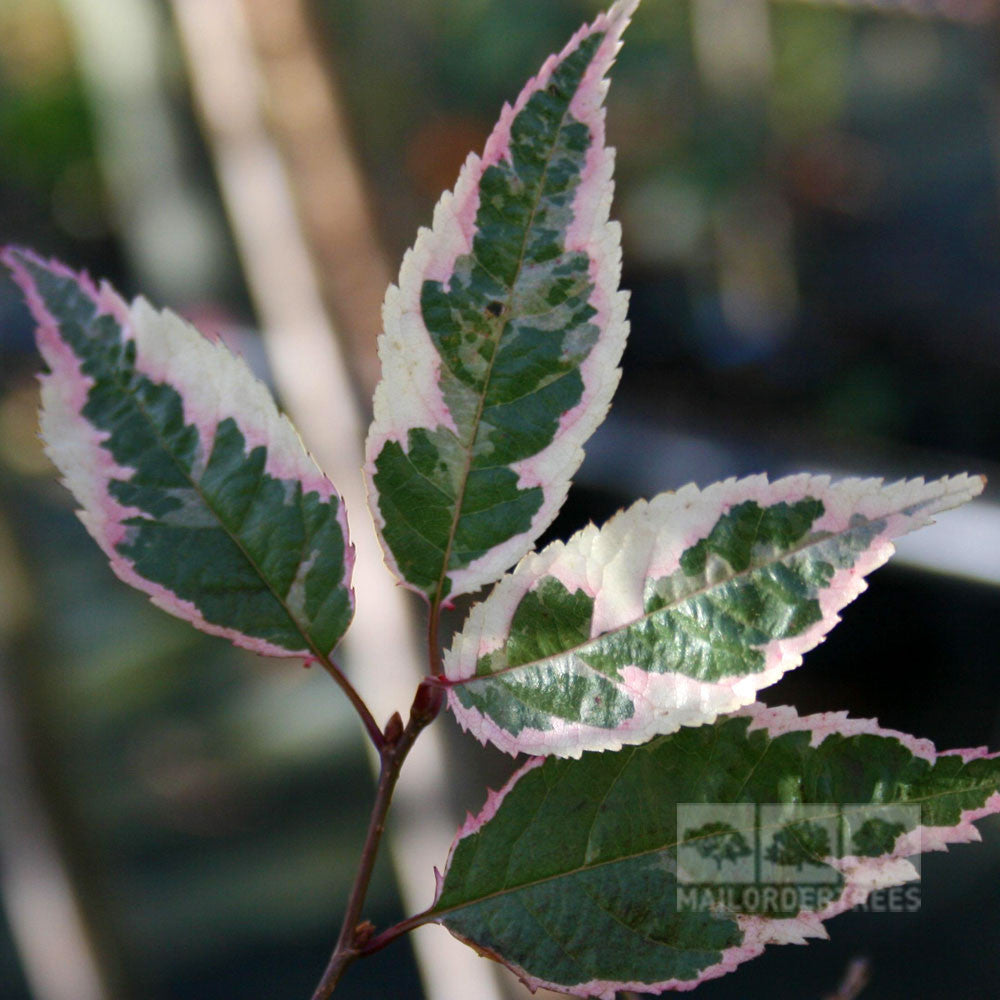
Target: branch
{"points": [[397, 742]]}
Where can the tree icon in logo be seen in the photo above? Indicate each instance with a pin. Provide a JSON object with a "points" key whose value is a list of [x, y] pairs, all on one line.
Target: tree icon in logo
{"points": [[719, 842], [800, 843]]}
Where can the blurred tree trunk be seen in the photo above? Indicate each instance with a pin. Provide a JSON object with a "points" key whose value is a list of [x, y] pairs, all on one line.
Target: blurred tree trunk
{"points": [[267, 186], [305, 117]]}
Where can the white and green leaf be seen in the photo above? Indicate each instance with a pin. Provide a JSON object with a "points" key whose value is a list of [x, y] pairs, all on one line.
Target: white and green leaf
{"points": [[595, 875], [677, 610], [502, 340], [198, 491]]}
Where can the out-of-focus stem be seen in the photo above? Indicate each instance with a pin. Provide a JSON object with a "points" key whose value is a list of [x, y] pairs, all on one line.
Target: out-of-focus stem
{"points": [[854, 982], [317, 391], [169, 228]]}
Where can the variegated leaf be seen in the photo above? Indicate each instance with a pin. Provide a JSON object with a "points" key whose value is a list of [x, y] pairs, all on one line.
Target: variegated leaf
{"points": [[677, 610], [196, 488], [502, 340], [661, 866]]}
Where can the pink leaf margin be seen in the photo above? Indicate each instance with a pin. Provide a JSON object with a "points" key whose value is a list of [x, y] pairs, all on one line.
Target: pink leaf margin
{"points": [[862, 875], [408, 396], [645, 542], [213, 384]]}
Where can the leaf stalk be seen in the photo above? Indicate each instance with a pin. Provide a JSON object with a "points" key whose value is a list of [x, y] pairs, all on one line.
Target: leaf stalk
{"points": [[433, 641], [368, 720]]}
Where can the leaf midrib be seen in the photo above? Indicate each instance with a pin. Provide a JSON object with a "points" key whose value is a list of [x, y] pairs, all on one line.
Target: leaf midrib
{"points": [[580, 649], [436, 914], [117, 376], [502, 320]]}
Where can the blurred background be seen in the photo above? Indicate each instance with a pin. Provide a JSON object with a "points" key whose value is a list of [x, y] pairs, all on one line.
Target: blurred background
{"points": [[809, 197]]}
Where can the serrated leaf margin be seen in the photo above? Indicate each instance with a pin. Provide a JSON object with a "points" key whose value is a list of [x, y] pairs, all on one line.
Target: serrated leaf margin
{"points": [[613, 563], [408, 395], [214, 384], [863, 876]]}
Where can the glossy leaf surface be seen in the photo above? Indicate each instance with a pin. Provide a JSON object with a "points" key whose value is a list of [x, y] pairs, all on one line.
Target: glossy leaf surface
{"points": [[677, 610], [197, 489], [647, 869], [502, 340]]}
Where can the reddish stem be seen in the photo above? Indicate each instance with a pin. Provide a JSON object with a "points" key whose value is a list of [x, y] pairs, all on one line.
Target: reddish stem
{"points": [[368, 720], [390, 934], [396, 743], [433, 642]]}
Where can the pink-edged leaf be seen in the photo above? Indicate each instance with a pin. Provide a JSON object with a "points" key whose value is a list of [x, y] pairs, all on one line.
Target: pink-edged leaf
{"points": [[502, 339], [661, 866], [198, 491], [677, 610]]}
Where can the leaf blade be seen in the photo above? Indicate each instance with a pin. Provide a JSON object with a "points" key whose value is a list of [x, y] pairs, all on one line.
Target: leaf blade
{"points": [[676, 611], [503, 337], [570, 874], [198, 491]]}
